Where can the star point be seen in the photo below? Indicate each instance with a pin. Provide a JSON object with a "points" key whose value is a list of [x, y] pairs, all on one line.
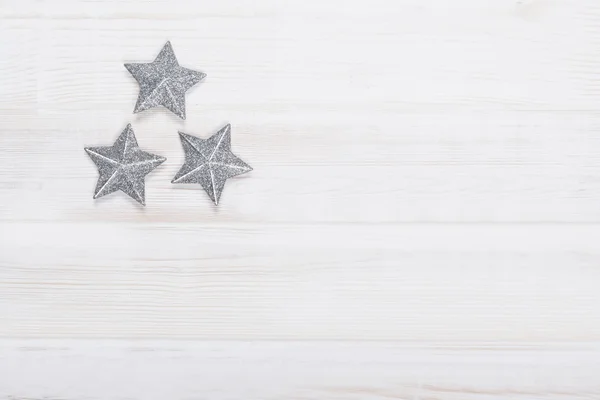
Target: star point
{"points": [[163, 82], [123, 166]]}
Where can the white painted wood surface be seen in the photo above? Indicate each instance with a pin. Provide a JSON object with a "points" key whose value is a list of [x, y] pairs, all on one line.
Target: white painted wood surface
{"points": [[292, 370], [422, 220]]}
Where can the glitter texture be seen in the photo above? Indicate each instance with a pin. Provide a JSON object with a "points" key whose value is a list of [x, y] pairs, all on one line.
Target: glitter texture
{"points": [[163, 82], [210, 162], [123, 166]]}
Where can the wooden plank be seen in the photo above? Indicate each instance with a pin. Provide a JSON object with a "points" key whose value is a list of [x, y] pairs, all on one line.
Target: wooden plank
{"points": [[445, 283], [405, 54], [295, 370], [466, 167]]}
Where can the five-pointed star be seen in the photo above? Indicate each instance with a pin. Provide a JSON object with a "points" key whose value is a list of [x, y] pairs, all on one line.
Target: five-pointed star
{"points": [[163, 82], [210, 162], [123, 166]]}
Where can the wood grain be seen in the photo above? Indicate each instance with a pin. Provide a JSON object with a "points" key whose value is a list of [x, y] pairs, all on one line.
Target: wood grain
{"points": [[421, 221], [434, 282], [503, 166], [296, 370]]}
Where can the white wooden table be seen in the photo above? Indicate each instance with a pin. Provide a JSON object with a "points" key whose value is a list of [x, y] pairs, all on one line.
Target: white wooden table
{"points": [[422, 221]]}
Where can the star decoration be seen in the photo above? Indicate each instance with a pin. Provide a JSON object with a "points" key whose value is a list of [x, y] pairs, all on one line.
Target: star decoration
{"points": [[163, 82], [123, 166], [210, 162]]}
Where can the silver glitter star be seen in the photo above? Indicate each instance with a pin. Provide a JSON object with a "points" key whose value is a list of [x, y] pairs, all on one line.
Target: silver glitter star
{"points": [[163, 82], [123, 166], [210, 162]]}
